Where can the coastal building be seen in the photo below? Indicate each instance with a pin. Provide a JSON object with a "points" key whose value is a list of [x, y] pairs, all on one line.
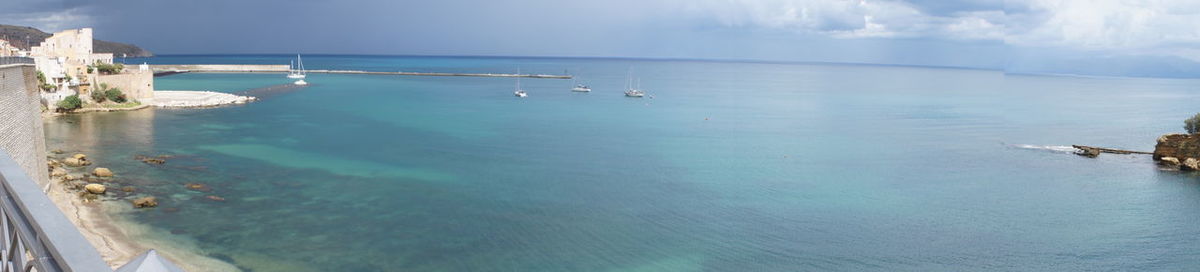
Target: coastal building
{"points": [[137, 82], [66, 59], [65, 56], [7, 49]]}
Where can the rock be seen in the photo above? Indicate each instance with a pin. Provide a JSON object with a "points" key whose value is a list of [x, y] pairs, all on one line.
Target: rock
{"points": [[58, 172], [56, 151], [53, 163], [145, 202], [1180, 146], [69, 177], [1190, 164], [215, 198], [95, 188], [154, 161], [102, 172], [198, 187], [128, 189], [74, 162], [79, 157], [1085, 151]]}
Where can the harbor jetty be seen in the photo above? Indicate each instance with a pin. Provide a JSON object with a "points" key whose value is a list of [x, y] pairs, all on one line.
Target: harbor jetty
{"points": [[164, 70]]}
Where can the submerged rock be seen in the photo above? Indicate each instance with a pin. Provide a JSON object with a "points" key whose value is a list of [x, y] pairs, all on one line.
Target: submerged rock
{"points": [[128, 189], [102, 172], [95, 188], [145, 202], [79, 156], [215, 198], [56, 151], [198, 187]]}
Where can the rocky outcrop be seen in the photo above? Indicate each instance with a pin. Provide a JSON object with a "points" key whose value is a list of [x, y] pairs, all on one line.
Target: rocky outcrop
{"points": [[1178, 150]]}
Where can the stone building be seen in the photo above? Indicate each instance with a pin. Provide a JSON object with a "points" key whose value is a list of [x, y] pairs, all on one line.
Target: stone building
{"points": [[64, 58]]}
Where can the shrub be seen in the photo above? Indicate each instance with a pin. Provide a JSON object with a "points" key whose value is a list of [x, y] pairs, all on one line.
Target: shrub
{"points": [[98, 95], [109, 68], [1192, 125], [114, 95], [70, 103]]}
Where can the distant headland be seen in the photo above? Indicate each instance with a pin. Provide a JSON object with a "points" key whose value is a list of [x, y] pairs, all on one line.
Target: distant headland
{"points": [[16, 35]]}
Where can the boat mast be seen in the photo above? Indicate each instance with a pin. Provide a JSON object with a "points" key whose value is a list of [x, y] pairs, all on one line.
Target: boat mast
{"points": [[300, 63]]}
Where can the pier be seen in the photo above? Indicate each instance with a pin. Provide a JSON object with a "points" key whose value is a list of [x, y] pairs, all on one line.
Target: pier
{"points": [[1092, 152], [165, 70]]}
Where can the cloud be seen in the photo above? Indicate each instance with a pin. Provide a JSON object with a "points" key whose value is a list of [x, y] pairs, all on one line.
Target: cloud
{"points": [[1105, 25], [864, 19], [51, 21]]}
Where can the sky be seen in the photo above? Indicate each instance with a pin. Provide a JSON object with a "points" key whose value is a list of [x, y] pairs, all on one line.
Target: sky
{"points": [[1154, 38]]}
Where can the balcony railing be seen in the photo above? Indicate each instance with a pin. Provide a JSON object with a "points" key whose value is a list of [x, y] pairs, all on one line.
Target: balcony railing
{"points": [[36, 236]]}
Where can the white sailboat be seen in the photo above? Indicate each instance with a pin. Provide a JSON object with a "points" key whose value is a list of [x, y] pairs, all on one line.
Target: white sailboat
{"points": [[296, 69], [519, 92], [630, 90], [579, 87]]}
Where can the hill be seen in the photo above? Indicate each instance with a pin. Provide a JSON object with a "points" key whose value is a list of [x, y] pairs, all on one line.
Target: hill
{"points": [[18, 36]]}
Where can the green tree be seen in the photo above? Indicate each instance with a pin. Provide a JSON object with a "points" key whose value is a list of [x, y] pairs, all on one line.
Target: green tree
{"points": [[1192, 125]]}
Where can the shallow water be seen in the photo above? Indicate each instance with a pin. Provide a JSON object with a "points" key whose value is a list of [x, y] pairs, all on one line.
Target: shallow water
{"points": [[730, 167]]}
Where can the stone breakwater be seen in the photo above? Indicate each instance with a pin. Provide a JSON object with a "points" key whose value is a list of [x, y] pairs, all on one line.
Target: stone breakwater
{"points": [[196, 99]]}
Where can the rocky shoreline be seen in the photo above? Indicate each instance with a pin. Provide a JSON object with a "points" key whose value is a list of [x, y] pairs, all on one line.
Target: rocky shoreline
{"points": [[84, 192], [1179, 151]]}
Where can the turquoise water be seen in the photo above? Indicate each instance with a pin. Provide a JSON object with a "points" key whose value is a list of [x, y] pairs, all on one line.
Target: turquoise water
{"points": [[730, 167]]}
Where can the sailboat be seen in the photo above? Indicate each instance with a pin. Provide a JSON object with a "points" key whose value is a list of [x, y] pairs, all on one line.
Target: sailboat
{"points": [[519, 92], [296, 69], [632, 91], [579, 87]]}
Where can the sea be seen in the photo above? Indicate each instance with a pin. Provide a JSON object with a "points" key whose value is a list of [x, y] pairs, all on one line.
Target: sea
{"points": [[724, 166]]}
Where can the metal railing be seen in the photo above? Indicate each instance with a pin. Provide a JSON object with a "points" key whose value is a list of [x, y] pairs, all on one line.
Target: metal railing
{"points": [[36, 236], [15, 60]]}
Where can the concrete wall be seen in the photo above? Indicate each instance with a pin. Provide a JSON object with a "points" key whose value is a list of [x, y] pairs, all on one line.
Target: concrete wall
{"points": [[220, 68], [135, 83], [21, 132]]}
